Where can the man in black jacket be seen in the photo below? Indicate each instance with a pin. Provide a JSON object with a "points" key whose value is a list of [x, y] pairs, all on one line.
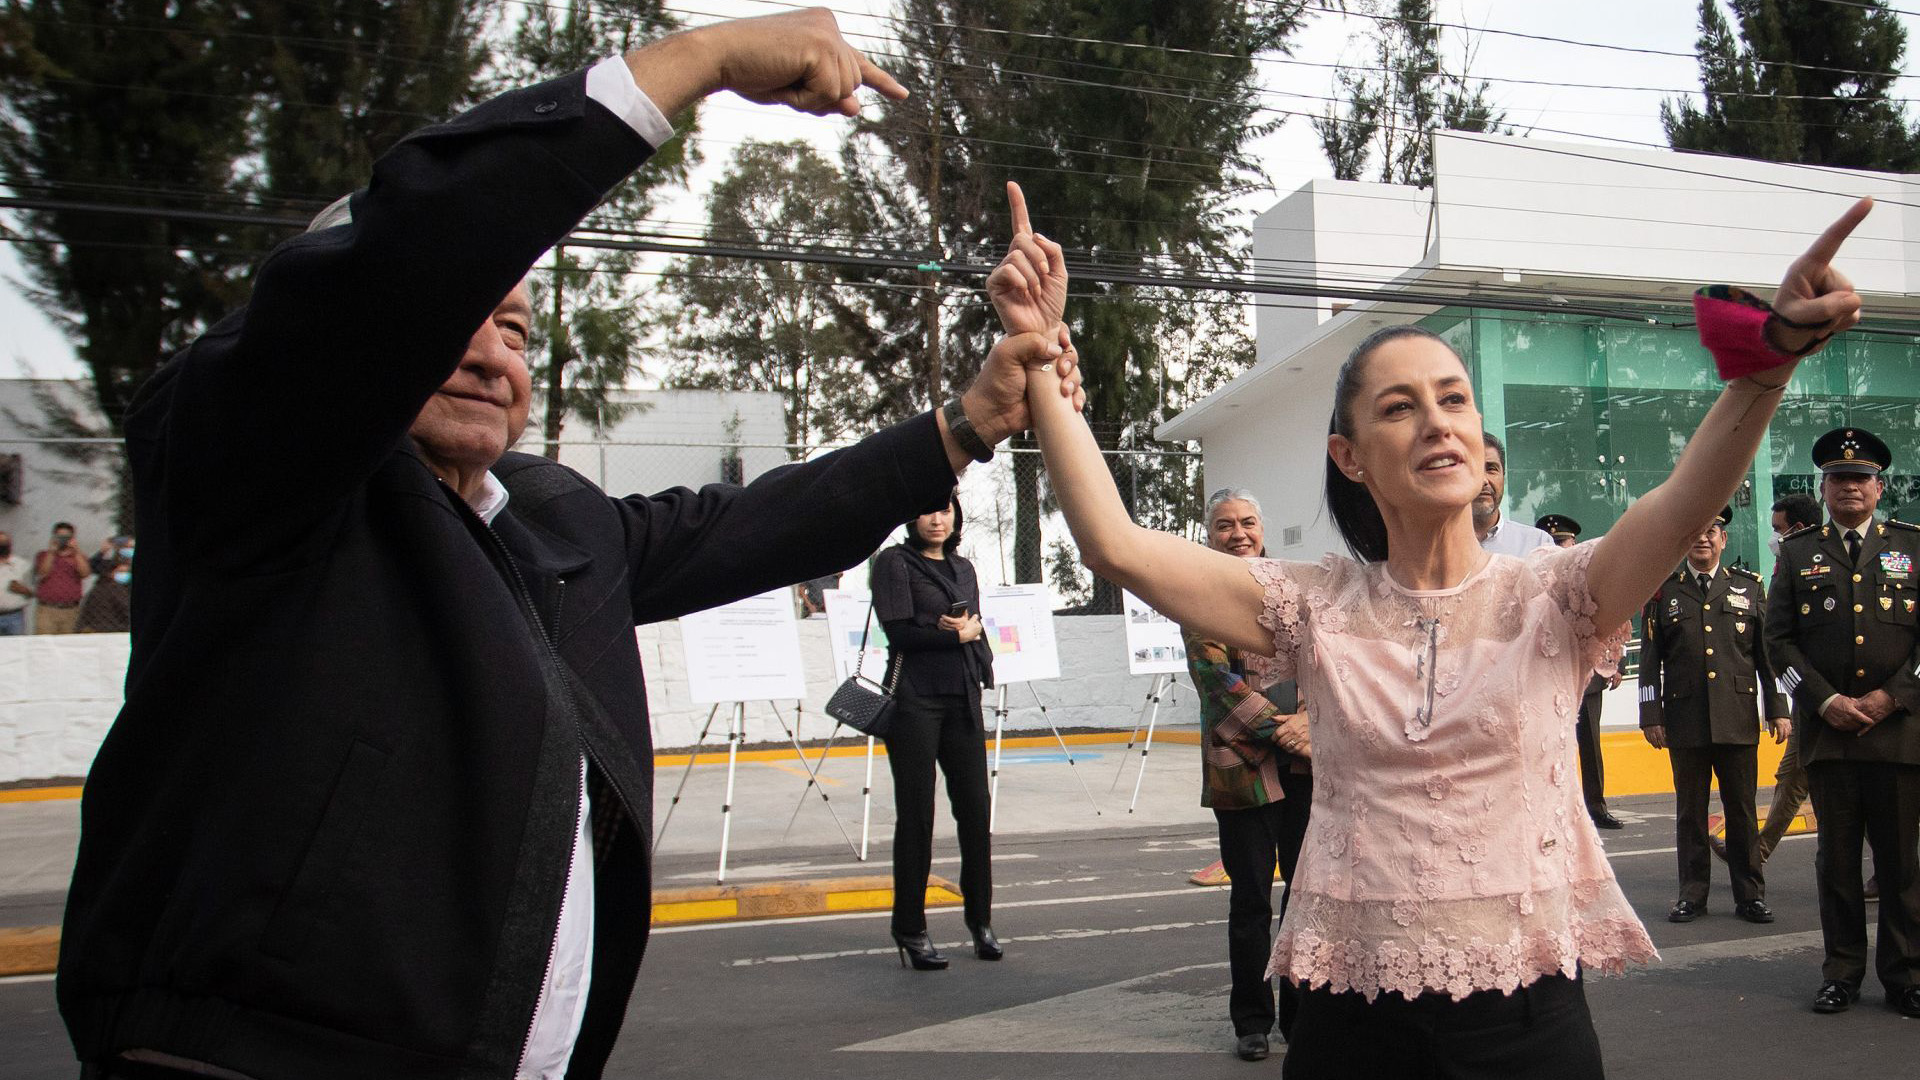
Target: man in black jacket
{"points": [[379, 801]]}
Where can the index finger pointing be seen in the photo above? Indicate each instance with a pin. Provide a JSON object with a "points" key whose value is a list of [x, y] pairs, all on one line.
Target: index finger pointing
{"points": [[1825, 248], [1017, 202], [871, 75]]}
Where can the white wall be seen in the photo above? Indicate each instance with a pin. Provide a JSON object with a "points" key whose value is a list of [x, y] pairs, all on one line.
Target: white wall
{"points": [[1583, 211], [59, 694], [1332, 233]]}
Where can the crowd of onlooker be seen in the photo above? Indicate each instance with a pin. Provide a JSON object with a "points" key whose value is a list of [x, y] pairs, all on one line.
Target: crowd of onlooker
{"points": [[67, 590]]}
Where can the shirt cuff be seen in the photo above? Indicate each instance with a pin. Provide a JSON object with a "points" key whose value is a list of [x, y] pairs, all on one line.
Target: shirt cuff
{"points": [[1822, 710], [610, 82]]}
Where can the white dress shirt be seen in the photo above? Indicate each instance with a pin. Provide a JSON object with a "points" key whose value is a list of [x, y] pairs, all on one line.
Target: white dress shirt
{"points": [[1514, 538], [563, 996]]}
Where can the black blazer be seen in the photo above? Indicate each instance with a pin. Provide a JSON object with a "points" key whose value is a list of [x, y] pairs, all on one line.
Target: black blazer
{"points": [[328, 833], [910, 594]]}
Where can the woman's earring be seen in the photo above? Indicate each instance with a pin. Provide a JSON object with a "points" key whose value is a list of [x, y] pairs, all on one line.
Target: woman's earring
{"points": [[1359, 474]]}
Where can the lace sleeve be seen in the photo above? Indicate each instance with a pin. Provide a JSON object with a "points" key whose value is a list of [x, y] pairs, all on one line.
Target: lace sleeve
{"points": [[1563, 574], [1282, 614]]}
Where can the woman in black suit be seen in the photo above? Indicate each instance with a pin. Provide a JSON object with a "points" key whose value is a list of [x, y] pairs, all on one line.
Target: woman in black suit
{"points": [[927, 598]]}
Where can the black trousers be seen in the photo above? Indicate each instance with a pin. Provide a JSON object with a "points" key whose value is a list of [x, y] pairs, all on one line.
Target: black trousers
{"points": [[942, 728], [1593, 773], [1539, 1032], [1738, 768], [1252, 843], [1878, 802]]}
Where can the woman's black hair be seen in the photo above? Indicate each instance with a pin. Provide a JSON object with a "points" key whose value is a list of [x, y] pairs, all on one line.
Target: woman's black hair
{"points": [[1354, 512], [952, 542]]}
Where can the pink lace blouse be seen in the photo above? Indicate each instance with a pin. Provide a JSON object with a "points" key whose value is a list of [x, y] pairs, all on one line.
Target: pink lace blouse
{"points": [[1448, 849]]}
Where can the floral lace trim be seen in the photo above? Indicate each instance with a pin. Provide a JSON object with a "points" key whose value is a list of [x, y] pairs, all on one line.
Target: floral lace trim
{"points": [[1563, 572], [1280, 615], [1460, 969]]}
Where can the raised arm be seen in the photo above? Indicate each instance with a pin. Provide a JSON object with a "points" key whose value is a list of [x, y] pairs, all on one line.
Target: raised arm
{"points": [[1814, 302], [1205, 591]]}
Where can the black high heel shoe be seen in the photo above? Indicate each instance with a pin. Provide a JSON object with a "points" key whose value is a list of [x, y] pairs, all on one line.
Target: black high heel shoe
{"points": [[919, 948], [985, 945]]}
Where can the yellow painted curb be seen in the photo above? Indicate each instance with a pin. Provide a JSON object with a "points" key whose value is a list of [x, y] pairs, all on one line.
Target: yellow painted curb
{"points": [[1635, 768], [1119, 739], [39, 794], [786, 899], [29, 950]]}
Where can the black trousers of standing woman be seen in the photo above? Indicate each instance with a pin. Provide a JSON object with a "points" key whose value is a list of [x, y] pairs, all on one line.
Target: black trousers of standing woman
{"points": [[1541, 1031], [1252, 843], [942, 728]]}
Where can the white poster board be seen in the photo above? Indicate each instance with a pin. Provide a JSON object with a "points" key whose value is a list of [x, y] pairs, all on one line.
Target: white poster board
{"points": [[1019, 629], [846, 620], [748, 650], [1153, 641]]}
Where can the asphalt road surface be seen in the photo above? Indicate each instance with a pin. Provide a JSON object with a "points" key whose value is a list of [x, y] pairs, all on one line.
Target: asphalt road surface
{"points": [[1116, 968]]}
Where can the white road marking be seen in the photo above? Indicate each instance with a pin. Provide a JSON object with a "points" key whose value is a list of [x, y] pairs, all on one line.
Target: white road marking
{"points": [[961, 946], [9, 980], [800, 869]]}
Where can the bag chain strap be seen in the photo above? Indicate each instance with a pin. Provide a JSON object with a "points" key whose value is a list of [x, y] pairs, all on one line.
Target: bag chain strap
{"points": [[860, 663]]}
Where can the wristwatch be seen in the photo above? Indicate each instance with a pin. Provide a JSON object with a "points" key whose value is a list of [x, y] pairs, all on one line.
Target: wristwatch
{"points": [[963, 432]]}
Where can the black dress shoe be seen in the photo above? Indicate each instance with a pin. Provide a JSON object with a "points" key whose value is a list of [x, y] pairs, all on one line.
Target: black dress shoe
{"points": [[1251, 1047], [919, 949], [985, 945], [1835, 996], [1754, 911], [1685, 911], [1905, 1001], [1605, 820]]}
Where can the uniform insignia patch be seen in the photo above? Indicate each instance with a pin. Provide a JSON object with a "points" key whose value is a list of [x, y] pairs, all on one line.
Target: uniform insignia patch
{"points": [[1886, 603], [1739, 627], [1830, 603], [1909, 604], [1816, 570], [1816, 556], [1896, 562], [1737, 602]]}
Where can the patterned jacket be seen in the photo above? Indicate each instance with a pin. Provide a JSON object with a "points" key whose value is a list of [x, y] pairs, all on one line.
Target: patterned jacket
{"points": [[1240, 763]]}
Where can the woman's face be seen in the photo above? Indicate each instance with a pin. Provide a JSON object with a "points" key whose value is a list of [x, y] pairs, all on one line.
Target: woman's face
{"points": [[1416, 433], [934, 528]]}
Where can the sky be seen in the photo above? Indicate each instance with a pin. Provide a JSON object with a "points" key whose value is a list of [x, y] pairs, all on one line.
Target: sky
{"points": [[1549, 106]]}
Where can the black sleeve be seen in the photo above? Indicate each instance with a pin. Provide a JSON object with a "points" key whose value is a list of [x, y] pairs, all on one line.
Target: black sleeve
{"points": [[690, 550], [1804, 684], [289, 404], [1774, 699], [907, 630]]}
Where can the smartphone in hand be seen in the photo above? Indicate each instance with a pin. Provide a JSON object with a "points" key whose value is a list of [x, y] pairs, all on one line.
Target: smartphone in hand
{"points": [[958, 610]]}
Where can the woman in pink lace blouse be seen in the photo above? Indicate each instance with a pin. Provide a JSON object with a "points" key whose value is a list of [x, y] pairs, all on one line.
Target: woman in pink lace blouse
{"points": [[1452, 888]]}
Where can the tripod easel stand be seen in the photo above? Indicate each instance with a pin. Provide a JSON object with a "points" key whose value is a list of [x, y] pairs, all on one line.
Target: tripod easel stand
{"points": [[1000, 711], [737, 734], [1162, 688]]}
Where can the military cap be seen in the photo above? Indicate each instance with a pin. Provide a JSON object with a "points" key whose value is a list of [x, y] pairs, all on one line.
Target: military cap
{"points": [[1558, 525], [1851, 450]]}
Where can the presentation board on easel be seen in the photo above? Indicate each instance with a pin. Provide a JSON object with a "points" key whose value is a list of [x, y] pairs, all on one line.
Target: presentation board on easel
{"points": [[846, 622], [1154, 646], [1018, 620], [748, 650]]}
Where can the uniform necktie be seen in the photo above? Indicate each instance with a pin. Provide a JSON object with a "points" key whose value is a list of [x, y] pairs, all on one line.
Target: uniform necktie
{"points": [[1704, 580], [1853, 546]]}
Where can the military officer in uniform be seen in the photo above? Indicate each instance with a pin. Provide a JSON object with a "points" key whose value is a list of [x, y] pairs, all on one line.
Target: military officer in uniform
{"points": [[1842, 629], [1586, 734], [1704, 678]]}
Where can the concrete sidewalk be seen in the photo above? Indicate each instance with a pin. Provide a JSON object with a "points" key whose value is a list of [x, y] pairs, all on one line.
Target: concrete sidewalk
{"points": [[780, 862]]}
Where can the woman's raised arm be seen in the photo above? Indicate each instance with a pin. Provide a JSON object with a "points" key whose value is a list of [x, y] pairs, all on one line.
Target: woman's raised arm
{"points": [[1206, 591], [1814, 302]]}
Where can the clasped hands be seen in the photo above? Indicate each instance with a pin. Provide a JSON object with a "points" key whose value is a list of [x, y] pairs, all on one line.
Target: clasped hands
{"points": [[1860, 714], [967, 626]]}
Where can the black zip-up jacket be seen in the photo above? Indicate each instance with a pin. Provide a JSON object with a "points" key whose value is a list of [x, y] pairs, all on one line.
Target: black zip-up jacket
{"points": [[328, 834]]}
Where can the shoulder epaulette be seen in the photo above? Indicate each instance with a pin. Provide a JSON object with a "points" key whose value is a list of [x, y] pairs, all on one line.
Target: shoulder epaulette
{"points": [[1898, 524], [1743, 572], [1800, 532]]}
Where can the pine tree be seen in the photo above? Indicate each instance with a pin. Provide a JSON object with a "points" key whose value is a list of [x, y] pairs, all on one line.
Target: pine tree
{"points": [[1391, 111], [1127, 121], [1802, 81]]}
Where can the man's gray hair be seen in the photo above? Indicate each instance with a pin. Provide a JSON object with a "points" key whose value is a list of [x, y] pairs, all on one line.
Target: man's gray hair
{"points": [[338, 212], [1230, 494]]}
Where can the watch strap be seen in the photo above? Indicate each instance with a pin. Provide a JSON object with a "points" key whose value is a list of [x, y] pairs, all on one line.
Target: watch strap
{"points": [[963, 431]]}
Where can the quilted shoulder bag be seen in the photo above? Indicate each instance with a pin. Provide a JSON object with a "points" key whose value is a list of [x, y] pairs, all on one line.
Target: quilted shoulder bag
{"points": [[860, 703]]}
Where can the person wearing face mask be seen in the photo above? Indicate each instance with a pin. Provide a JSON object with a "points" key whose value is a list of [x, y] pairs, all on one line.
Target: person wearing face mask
{"points": [[1256, 773], [14, 590], [1701, 667], [58, 574], [108, 607], [1842, 628]]}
